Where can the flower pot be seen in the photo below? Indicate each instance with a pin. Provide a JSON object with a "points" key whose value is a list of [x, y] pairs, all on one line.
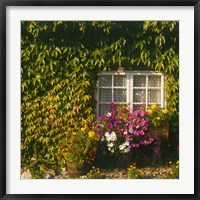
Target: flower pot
{"points": [[75, 170], [162, 131]]}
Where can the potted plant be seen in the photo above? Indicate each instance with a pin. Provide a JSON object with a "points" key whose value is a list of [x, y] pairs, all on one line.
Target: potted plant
{"points": [[80, 148], [158, 121]]}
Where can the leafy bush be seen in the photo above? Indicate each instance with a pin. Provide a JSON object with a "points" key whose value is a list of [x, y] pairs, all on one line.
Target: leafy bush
{"points": [[79, 147]]}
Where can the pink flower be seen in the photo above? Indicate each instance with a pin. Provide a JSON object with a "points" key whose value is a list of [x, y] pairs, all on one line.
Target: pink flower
{"points": [[137, 145], [109, 126], [100, 132], [128, 138], [102, 118], [141, 142], [151, 140], [142, 114]]}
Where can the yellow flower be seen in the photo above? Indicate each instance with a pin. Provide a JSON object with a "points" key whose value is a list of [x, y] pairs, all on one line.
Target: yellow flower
{"points": [[74, 133], [158, 118], [150, 111], [97, 138], [165, 111], [91, 134], [82, 129], [86, 126], [154, 106], [170, 162], [177, 162]]}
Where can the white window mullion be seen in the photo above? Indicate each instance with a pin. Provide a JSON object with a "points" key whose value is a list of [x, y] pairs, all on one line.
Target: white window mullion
{"points": [[97, 98], [112, 88], [131, 90], [162, 91], [147, 79]]}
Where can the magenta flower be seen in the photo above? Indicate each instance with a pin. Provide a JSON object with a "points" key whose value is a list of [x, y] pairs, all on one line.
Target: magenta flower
{"points": [[137, 145], [100, 132], [109, 126], [151, 140], [141, 142], [142, 114], [130, 128], [128, 138], [102, 118]]}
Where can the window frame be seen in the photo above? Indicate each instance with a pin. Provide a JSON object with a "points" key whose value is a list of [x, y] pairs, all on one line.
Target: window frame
{"points": [[129, 87]]}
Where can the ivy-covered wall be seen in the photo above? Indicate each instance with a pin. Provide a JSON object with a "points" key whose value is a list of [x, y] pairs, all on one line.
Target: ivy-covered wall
{"points": [[60, 62]]}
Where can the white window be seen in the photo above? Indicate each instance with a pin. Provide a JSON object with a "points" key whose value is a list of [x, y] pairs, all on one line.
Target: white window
{"points": [[132, 88]]}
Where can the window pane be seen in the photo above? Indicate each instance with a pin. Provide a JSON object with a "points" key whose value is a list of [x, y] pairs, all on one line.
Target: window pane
{"points": [[139, 95], [154, 81], [136, 106], [105, 95], [154, 96], [103, 108], [120, 95], [139, 81], [120, 80], [105, 81]]}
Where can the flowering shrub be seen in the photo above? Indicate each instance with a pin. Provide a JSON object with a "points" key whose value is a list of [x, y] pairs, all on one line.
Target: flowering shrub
{"points": [[79, 146], [123, 130], [157, 117]]}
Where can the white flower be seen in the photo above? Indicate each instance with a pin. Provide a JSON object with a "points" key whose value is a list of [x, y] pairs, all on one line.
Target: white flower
{"points": [[102, 138], [125, 132], [126, 150], [121, 147], [112, 150], [110, 144], [108, 114], [113, 136], [107, 134], [130, 130], [126, 143], [108, 138]]}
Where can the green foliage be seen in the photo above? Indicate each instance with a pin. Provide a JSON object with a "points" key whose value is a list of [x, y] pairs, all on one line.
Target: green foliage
{"points": [[94, 173], [78, 147], [134, 172], [60, 62], [174, 171], [157, 117]]}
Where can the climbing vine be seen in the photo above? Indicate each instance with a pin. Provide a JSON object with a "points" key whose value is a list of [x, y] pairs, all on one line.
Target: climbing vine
{"points": [[60, 62]]}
